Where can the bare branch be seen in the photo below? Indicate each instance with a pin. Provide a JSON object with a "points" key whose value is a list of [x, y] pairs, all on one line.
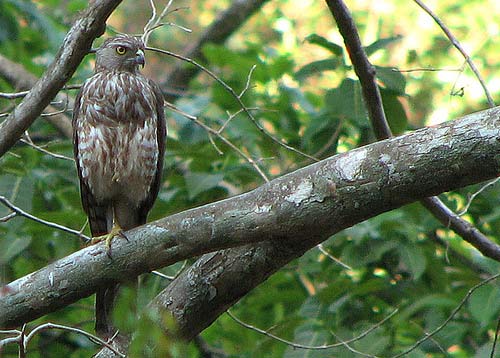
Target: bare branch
{"points": [[170, 278], [366, 74], [333, 258], [495, 340], [473, 196], [29, 142], [155, 20], [428, 69], [292, 214], [23, 213], [212, 131], [450, 317], [22, 94], [231, 91], [363, 68], [23, 340], [459, 47], [21, 79], [7, 217], [309, 347], [218, 32], [76, 45]]}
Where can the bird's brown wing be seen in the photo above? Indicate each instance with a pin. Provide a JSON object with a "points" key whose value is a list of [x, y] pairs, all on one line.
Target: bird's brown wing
{"points": [[97, 212], [161, 135], [100, 220]]}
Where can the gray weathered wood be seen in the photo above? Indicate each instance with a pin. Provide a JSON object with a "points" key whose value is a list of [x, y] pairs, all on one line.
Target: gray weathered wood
{"points": [[298, 209]]}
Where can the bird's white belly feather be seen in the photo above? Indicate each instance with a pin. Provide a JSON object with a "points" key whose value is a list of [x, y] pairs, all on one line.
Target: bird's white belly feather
{"points": [[119, 160]]}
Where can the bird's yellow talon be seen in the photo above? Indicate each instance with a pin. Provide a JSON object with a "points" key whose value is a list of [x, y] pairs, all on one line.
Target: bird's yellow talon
{"points": [[108, 238]]}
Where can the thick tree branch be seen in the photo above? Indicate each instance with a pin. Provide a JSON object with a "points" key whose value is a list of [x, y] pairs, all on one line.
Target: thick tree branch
{"points": [[218, 280], [362, 67], [22, 80], [218, 32], [299, 209], [76, 45], [373, 101]]}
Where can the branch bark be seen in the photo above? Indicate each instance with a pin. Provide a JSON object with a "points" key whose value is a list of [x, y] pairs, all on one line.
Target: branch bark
{"points": [[22, 80], [218, 32], [76, 45], [297, 210], [373, 101]]}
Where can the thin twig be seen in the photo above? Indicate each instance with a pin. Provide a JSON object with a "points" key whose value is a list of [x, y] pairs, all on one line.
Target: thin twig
{"points": [[459, 47], [91, 337], [21, 94], [493, 348], [450, 317], [7, 218], [249, 81], [231, 116], [211, 139], [221, 137], [27, 140], [23, 213], [438, 345], [355, 351], [366, 74], [304, 346], [171, 278], [333, 258], [155, 21], [235, 96], [427, 69], [473, 196]]}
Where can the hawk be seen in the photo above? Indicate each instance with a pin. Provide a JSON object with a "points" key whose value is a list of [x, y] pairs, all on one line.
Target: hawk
{"points": [[119, 134]]}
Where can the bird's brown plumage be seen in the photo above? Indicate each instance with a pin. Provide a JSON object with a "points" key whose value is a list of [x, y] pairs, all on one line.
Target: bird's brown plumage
{"points": [[119, 141]]}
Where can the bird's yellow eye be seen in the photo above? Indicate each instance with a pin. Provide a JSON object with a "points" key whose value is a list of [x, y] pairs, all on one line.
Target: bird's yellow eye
{"points": [[121, 50]]}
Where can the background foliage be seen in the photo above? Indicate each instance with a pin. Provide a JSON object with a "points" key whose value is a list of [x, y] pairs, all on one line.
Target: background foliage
{"points": [[306, 94]]}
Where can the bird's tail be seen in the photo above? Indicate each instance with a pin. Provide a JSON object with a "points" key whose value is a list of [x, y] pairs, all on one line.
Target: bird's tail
{"points": [[104, 302], [101, 221]]}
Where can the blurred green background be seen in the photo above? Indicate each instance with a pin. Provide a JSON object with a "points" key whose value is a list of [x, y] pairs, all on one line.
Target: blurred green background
{"points": [[303, 91]]}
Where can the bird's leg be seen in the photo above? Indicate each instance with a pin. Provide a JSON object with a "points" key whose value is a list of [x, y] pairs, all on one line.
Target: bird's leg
{"points": [[116, 230]]}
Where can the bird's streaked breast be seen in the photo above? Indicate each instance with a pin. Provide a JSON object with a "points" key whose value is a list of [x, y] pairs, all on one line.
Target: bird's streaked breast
{"points": [[117, 136]]}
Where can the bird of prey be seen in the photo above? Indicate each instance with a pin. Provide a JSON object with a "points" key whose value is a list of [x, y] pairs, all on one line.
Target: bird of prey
{"points": [[119, 135]]}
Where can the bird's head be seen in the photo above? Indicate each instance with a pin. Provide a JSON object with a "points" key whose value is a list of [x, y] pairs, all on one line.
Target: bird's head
{"points": [[120, 53]]}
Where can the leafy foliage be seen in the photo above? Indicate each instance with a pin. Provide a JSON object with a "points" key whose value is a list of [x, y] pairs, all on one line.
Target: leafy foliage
{"points": [[303, 91]]}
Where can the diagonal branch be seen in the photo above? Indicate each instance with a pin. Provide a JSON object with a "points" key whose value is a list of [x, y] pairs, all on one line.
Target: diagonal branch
{"points": [[76, 45], [218, 32], [367, 77], [460, 49], [21, 79], [294, 211], [362, 67]]}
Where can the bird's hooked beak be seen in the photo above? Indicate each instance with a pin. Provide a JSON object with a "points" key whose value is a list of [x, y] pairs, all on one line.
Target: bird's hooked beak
{"points": [[139, 58]]}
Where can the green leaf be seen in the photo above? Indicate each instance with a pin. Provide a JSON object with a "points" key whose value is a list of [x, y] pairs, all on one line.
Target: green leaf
{"points": [[319, 133], [311, 334], [9, 29], [197, 183], [413, 259], [296, 95], [321, 41], [391, 79], [317, 67], [483, 304], [430, 300], [368, 251], [381, 44], [11, 247], [374, 343], [346, 101], [394, 111]]}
